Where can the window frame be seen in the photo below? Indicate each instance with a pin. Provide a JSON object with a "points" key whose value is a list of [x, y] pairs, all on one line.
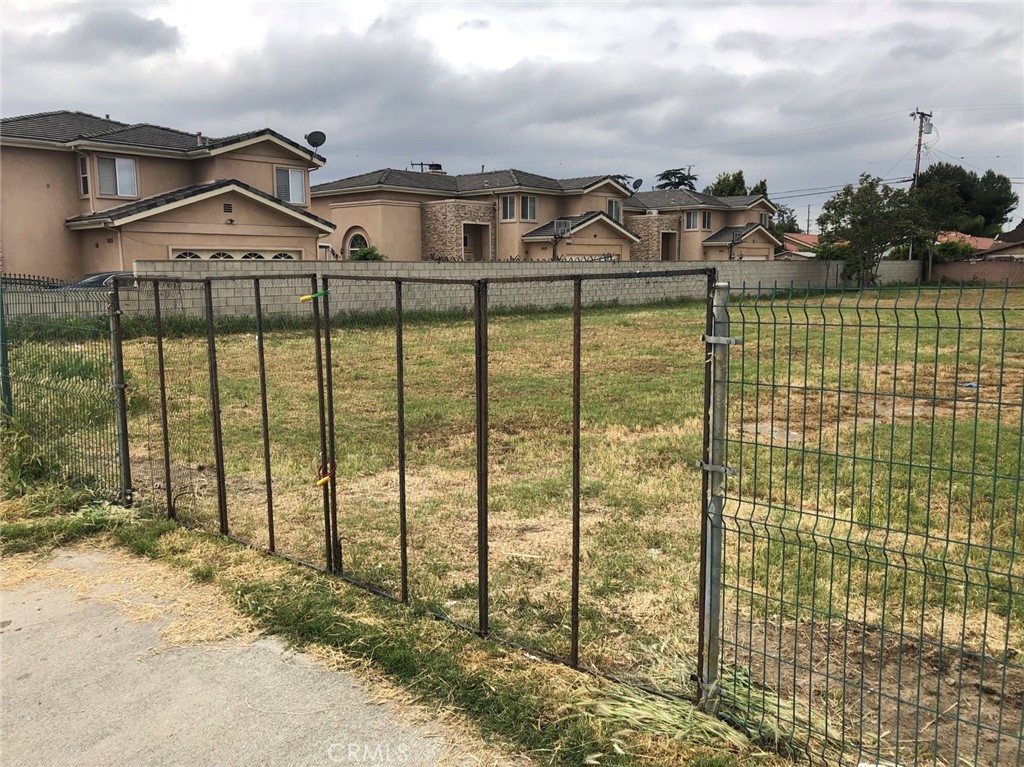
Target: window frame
{"points": [[83, 175], [616, 206], [705, 220], [117, 177], [348, 245], [291, 188], [508, 205], [687, 225], [524, 205], [764, 219]]}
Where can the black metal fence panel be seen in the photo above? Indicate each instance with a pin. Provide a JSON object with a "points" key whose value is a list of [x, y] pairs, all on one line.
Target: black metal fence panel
{"points": [[871, 585], [60, 384]]}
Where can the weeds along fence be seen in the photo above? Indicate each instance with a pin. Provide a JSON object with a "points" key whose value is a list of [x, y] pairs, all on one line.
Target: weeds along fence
{"points": [[863, 530], [485, 463], [62, 386]]}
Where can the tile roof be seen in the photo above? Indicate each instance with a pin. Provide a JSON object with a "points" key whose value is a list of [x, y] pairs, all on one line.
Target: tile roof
{"points": [[671, 198], [578, 222], [728, 234], [740, 201], [978, 243], [460, 184], [176, 195], [798, 241], [59, 126], [65, 126]]}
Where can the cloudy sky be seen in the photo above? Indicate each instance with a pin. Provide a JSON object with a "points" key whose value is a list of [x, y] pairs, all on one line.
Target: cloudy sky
{"points": [[807, 95]]}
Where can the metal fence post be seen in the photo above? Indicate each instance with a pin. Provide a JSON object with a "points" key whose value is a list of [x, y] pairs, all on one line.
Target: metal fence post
{"points": [[480, 312], [218, 436], [6, 400], [120, 398], [713, 468]]}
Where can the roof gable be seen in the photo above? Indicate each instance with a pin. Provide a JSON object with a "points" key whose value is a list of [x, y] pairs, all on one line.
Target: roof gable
{"points": [[731, 234], [547, 231], [151, 206], [467, 183]]}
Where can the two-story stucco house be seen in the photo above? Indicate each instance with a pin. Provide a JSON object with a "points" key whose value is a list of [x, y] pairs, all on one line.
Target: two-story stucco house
{"points": [[508, 215], [494, 216], [680, 225], [82, 194]]}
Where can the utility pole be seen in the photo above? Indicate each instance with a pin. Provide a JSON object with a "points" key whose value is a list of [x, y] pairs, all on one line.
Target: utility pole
{"points": [[808, 230], [921, 117]]}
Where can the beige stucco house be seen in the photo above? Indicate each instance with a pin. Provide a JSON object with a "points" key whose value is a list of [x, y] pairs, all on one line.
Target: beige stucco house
{"points": [[680, 225], [82, 194], [509, 215]]}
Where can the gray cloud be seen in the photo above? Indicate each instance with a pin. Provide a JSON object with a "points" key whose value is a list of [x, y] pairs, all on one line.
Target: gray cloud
{"points": [[102, 33], [473, 24]]}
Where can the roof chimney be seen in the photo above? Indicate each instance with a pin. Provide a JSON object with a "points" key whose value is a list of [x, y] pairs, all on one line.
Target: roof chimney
{"points": [[436, 169], [199, 138], [106, 117]]}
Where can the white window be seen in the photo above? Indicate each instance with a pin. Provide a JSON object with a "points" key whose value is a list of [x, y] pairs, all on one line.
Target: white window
{"points": [[707, 220], [356, 242], [528, 207], [117, 176], [187, 254], [83, 175], [220, 256], [283, 257], [508, 207], [691, 219], [764, 219], [615, 210], [214, 254], [252, 256], [291, 185]]}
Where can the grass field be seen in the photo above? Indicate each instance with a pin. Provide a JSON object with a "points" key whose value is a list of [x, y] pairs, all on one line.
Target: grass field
{"points": [[877, 441]]}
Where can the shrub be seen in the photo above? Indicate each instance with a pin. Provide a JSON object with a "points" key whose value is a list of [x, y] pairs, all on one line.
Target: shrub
{"points": [[369, 253]]}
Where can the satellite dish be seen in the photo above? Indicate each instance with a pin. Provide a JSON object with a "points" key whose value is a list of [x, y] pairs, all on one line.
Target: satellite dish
{"points": [[316, 139], [637, 184]]}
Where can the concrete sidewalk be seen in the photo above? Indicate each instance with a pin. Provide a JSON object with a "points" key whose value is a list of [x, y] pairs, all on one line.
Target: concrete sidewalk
{"points": [[83, 684]]}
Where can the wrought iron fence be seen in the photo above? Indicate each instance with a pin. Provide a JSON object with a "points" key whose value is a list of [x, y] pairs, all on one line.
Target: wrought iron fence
{"points": [[62, 384], [862, 581]]}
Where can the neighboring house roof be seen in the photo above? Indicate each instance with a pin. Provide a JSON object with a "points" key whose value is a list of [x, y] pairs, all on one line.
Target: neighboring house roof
{"points": [[1014, 235], [151, 206], [795, 242], [466, 183], [730, 234], [675, 199], [69, 128], [547, 231], [1000, 247], [978, 243]]}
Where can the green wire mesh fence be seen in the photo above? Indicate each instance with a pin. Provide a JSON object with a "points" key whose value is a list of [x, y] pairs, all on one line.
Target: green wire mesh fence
{"points": [[59, 384], [871, 585]]}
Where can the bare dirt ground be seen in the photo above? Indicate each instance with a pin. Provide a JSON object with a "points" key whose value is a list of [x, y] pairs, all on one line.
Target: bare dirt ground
{"points": [[113, 659], [923, 699]]}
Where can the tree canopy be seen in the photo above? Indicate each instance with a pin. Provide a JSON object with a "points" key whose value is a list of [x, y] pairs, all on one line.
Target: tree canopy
{"points": [[677, 178], [859, 224], [986, 201]]}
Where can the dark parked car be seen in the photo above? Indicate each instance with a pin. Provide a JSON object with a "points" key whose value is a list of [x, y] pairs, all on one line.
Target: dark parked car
{"points": [[99, 280]]}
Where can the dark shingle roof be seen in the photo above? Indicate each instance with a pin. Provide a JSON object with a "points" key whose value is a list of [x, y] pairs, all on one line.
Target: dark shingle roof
{"points": [[56, 126], [741, 201], [548, 229], [728, 234], [671, 198], [464, 183], [176, 195], [64, 126]]}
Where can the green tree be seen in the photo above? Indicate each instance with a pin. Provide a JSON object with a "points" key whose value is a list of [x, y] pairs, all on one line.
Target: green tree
{"points": [[986, 202], [677, 178], [761, 188], [368, 253], [936, 208], [784, 220], [727, 185], [864, 222]]}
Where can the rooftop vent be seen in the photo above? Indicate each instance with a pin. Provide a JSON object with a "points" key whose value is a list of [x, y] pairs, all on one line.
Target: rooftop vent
{"points": [[436, 169]]}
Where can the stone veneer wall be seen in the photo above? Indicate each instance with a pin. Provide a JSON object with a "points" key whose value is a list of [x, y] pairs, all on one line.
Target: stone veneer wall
{"points": [[649, 229], [442, 226]]}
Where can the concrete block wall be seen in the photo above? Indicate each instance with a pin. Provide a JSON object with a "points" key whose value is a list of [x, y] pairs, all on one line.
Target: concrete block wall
{"points": [[283, 282]]}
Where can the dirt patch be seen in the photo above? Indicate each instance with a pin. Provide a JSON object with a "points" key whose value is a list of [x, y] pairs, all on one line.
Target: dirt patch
{"points": [[903, 700]]}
